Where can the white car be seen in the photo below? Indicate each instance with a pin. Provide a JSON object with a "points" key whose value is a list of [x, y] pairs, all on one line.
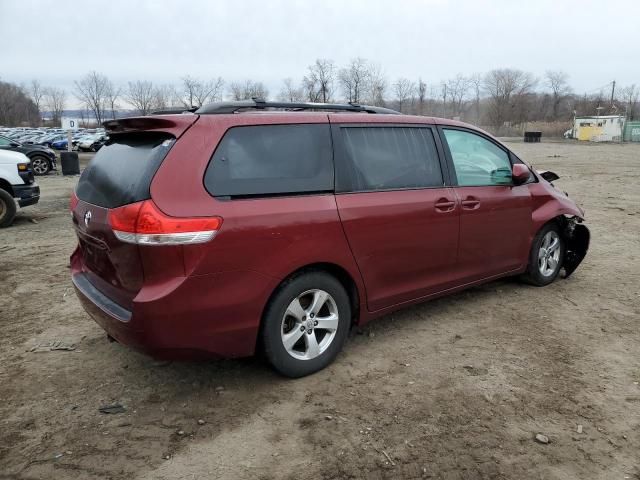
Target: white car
{"points": [[91, 143], [17, 185]]}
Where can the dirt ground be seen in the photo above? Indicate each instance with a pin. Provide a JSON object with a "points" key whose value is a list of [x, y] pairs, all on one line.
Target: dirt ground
{"points": [[454, 389]]}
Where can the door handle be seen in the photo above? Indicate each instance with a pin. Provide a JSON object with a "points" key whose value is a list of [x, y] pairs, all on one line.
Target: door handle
{"points": [[444, 205], [470, 203]]}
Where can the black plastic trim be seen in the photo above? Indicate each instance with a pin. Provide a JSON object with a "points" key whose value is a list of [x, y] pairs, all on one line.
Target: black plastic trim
{"points": [[104, 303], [26, 194]]}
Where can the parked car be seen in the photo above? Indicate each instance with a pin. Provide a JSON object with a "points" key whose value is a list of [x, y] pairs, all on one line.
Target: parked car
{"points": [[92, 143], [48, 138], [60, 143], [222, 234], [17, 185], [43, 159]]}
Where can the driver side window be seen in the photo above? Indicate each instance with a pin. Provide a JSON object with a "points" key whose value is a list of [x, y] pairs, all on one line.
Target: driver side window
{"points": [[477, 161]]}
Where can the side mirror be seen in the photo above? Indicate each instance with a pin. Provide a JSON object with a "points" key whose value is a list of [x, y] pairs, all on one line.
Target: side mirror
{"points": [[14, 144], [520, 173]]}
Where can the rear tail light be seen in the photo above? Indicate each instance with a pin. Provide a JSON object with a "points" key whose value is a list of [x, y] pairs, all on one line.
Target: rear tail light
{"points": [[143, 223]]}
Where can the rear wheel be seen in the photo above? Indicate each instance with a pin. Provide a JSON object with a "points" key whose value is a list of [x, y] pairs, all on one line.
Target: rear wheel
{"points": [[306, 324], [40, 164], [546, 256], [7, 209]]}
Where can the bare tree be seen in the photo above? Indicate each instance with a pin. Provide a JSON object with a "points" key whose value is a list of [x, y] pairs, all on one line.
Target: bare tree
{"points": [[318, 83], [54, 99], [404, 90], [377, 86], [198, 92], [629, 98], [290, 93], [209, 91], [559, 86], [457, 89], [507, 88], [16, 108], [164, 97], [92, 91], [355, 80], [475, 82], [422, 94], [36, 92], [112, 95], [140, 94], [248, 90], [189, 86]]}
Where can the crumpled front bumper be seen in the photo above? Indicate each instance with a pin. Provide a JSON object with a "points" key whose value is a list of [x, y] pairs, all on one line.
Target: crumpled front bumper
{"points": [[577, 237], [27, 194]]}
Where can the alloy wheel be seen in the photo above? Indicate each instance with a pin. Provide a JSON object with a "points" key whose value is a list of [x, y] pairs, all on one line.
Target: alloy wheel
{"points": [[549, 254], [309, 324], [40, 165]]}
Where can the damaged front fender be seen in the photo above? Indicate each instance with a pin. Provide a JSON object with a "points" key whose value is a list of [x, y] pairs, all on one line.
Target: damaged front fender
{"points": [[577, 237]]}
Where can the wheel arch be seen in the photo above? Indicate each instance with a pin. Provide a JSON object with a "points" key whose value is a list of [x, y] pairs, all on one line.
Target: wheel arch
{"points": [[33, 155], [6, 186], [337, 271], [575, 235]]}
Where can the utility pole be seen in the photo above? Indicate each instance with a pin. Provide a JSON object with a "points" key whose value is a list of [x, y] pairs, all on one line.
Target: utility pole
{"points": [[444, 100], [613, 89]]}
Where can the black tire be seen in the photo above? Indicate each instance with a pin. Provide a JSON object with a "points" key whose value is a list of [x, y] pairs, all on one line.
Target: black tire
{"points": [[7, 209], [534, 274], [40, 165], [274, 323]]}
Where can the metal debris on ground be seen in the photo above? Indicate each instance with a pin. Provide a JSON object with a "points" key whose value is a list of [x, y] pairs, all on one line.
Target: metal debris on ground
{"points": [[542, 438], [115, 408], [55, 345]]}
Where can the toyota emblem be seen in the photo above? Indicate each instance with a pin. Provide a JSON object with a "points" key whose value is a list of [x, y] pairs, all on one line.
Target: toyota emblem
{"points": [[87, 218]]}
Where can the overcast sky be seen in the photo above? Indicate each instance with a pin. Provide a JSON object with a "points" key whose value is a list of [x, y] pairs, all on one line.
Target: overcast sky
{"points": [[57, 41]]}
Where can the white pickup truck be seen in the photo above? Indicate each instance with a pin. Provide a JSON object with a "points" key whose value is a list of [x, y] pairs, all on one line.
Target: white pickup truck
{"points": [[17, 185]]}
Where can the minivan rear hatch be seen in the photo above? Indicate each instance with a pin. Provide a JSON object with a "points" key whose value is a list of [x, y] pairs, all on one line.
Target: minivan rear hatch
{"points": [[120, 174]]}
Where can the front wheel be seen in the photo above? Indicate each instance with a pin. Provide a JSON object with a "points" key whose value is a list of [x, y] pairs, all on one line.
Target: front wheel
{"points": [[546, 256], [306, 324], [41, 165], [7, 209]]}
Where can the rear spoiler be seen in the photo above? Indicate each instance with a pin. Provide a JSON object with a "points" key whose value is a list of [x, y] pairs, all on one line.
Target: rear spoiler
{"points": [[175, 125]]}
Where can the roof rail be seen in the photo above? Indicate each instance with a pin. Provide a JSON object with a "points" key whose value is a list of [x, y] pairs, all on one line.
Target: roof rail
{"points": [[170, 111], [259, 104]]}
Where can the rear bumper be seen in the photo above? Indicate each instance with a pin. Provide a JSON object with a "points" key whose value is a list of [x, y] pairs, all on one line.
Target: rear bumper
{"points": [[26, 194], [99, 300], [215, 315]]}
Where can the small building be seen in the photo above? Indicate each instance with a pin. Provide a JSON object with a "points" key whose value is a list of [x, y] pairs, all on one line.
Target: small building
{"points": [[599, 128]]}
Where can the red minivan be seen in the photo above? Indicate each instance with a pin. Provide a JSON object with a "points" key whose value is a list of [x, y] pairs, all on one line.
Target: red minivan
{"points": [[277, 226]]}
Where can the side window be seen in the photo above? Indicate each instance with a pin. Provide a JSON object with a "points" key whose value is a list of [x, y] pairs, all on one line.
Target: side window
{"points": [[272, 160], [388, 158], [4, 142], [476, 160]]}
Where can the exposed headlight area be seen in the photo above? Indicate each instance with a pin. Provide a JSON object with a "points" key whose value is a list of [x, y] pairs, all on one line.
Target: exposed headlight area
{"points": [[26, 173]]}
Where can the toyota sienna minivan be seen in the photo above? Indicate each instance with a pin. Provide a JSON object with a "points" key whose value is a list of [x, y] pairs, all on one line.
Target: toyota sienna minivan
{"points": [[253, 225]]}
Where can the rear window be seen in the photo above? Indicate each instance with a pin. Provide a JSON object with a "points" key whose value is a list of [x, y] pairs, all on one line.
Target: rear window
{"points": [[271, 160], [122, 170], [389, 158]]}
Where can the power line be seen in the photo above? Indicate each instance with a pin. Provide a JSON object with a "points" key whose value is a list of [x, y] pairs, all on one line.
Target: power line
{"points": [[599, 89]]}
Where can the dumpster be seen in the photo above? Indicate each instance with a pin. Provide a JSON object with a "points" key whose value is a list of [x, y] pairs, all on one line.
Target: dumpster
{"points": [[70, 163], [532, 137]]}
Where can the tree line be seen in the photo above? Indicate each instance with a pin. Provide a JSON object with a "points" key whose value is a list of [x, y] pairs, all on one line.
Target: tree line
{"points": [[497, 98]]}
